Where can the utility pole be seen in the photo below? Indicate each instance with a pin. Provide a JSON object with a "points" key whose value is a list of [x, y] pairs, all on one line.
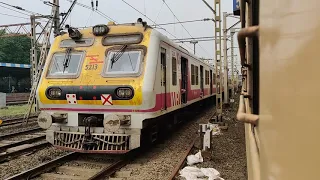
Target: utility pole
{"points": [[217, 12], [43, 56], [33, 50], [194, 46], [56, 17], [232, 31], [36, 69], [226, 96]]}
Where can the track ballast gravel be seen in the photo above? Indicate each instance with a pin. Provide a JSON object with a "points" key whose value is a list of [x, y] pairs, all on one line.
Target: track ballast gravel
{"points": [[25, 162]]}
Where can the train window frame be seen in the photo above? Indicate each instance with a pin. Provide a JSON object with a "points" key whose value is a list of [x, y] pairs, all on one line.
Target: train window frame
{"points": [[72, 76], [124, 35], [174, 71], [207, 78], [193, 79], [197, 75], [106, 62], [77, 45]]}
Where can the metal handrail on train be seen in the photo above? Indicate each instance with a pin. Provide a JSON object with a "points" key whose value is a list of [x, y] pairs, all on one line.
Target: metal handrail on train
{"points": [[244, 113], [245, 117], [242, 35]]}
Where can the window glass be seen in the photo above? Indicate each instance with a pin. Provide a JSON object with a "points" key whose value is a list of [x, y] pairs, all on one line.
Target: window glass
{"points": [[61, 65], [174, 71], [207, 77], [122, 39], [85, 42], [127, 63], [192, 74], [197, 74]]}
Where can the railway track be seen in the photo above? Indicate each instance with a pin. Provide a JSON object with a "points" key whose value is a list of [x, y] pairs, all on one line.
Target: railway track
{"points": [[11, 103], [18, 143], [182, 162], [28, 131], [70, 167], [14, 121]]}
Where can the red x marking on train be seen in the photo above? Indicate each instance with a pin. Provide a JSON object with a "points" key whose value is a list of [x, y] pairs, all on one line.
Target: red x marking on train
{"points": [[106, 99]]}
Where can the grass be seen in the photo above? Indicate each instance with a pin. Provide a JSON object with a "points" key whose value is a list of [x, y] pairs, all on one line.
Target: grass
{"points": [[14, 110]]}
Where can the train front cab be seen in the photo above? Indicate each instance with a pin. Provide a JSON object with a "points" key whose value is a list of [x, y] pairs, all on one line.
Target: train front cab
{"points": [[89, 100]]}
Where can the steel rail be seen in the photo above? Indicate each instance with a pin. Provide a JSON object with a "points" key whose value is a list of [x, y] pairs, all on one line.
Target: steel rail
{"points": [[18, 143], [43, 167], [109, 170], [181, 163], [24, 150], [14, 121], [20, 133]]}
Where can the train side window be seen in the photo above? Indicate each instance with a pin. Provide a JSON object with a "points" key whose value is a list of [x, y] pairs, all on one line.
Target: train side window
{"points": [[174, 71], [192, 74], [197, 74], [207, 77]]}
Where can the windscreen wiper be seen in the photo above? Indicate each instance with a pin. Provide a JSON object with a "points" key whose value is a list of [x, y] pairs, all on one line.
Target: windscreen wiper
{"points": [[67, 58], [117, 55]]}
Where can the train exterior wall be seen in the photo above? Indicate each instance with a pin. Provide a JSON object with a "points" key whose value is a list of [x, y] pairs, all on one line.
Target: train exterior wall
{"points": [[152, 97]]}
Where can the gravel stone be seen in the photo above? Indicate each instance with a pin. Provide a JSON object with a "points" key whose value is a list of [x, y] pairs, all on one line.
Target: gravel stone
{"points": [[228, 156], [17, 127], [229, 152], [159, 161], [25, 162]]}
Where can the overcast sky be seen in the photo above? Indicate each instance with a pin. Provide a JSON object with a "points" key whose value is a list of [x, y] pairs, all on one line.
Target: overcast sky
{"points": [[122, 13]]}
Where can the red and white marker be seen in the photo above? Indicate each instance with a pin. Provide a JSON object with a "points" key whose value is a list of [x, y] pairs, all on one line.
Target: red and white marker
{"points": [[71, 98], [106, 99]]}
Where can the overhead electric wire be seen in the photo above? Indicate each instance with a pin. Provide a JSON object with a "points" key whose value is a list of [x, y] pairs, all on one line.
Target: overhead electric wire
{"points": [[13, 16], [198, 20], [15, 10], [149, 19], [200, 40], [195, 38], [20, 8], [183, 26], [158, 13], [97, 11]]}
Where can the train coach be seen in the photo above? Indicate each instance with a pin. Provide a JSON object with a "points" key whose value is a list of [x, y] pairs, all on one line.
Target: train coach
{"points": [[108, 88]]}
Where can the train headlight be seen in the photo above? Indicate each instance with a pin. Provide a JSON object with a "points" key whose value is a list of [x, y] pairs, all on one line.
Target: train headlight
{"points": [[100, 30], [54, 92], [124, 93]]}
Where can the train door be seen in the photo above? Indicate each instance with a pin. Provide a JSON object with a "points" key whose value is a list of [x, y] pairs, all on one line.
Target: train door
{"points": [[163, 58], [184, 80], [201, 79], [211, 82]]}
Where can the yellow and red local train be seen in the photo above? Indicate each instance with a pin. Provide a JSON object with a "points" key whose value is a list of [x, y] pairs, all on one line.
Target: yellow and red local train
{"points": [[107, 88]]}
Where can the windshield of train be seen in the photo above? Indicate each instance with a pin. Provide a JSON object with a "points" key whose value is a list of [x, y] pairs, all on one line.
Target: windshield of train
{"points": [[62, 65], [127, 62]]}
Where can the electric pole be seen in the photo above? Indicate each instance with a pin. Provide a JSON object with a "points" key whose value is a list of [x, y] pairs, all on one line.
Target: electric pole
{"points": [[56, 17], [36, 67], [217, 12], [226, 96], [194, 46], [232, 31]]}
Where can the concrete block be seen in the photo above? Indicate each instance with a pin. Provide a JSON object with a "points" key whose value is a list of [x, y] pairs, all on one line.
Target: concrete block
{"points": [[3, 100]]}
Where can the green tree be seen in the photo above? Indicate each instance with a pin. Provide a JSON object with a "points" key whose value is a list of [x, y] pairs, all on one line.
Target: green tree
{"points": [[15, 49]]}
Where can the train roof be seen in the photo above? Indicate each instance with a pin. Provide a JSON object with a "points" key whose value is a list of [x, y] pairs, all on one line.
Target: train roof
{"points": [[162, 36]]}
